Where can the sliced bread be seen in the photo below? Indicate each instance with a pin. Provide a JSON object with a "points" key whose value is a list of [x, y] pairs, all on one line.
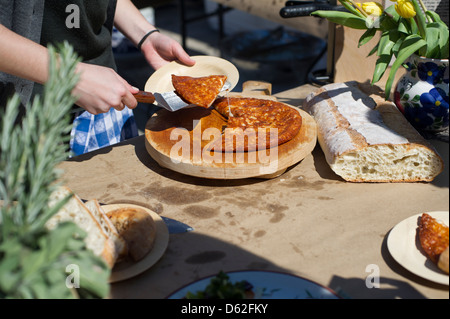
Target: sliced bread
{"points": [[108, 227], [367, 139], [97, 240]]}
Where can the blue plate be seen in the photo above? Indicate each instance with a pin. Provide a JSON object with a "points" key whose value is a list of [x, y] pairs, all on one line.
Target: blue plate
{"points": [[267, 285]]}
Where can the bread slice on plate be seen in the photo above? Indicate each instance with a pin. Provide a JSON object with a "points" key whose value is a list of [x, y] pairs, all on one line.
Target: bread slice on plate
{"points": [[108, 227], [97, 240], [137, 228], [367, 139]]}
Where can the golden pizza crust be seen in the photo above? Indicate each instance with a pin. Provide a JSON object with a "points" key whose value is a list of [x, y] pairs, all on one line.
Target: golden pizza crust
{"points": [[200, 91], [433, 237]]}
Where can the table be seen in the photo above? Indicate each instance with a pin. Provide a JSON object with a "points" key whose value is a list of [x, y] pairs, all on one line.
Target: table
{"points": [[307, 222]]}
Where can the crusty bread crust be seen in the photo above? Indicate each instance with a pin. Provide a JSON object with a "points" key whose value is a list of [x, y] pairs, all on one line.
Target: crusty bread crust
{"points": [[108, 227], [137, 228], [97, 240], [366, 139]]}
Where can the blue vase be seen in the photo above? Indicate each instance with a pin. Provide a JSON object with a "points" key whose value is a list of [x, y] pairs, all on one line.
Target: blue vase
{"points": [[422, 93]]}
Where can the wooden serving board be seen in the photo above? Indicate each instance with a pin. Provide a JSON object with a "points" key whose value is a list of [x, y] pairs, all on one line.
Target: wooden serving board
{"points": [[176, 140]]}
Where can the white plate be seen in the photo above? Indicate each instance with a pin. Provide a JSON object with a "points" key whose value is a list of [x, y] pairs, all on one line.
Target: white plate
{"points": [[404, 246], [161, 80], [267, 285], [125, 270]]}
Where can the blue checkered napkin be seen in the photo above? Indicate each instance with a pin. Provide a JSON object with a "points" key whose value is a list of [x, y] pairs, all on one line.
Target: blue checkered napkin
{"points": [[91, 132]]}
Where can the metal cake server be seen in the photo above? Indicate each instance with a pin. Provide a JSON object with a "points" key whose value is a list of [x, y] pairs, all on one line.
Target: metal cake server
{"points": [[175, 226], [172, 102]]}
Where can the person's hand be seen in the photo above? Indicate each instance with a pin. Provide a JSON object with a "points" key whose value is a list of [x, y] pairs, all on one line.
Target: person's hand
{"points": [[160, 49], [100, 88]]}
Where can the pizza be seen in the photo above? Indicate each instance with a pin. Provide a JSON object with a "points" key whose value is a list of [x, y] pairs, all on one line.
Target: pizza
{"points": [[200, 91], [255, 124], [433, 237]]}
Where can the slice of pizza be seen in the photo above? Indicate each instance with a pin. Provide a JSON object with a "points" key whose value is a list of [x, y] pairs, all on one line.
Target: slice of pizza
{"points": [[200, 91], [255, 124], [433, 236]]}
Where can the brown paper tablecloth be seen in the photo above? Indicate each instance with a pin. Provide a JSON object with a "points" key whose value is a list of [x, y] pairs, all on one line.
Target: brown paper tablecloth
{"points": [[307, 222]]}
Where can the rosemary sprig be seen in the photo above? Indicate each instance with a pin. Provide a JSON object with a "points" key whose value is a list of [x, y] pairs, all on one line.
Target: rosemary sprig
{"points": [[33, 260]]}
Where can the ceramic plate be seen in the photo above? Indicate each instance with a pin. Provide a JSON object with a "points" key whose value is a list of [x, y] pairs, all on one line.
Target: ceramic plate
{"points": [[404, 246], [161, 80], [267, 285], [125, 270]]}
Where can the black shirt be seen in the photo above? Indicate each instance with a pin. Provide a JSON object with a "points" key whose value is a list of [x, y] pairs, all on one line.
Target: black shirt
{"points": [[85, 24]]}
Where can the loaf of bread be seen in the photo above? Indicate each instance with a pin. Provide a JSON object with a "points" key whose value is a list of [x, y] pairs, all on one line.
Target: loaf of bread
{"points": [[97, 239], [108, 227], [366, 139], [137, 228]]}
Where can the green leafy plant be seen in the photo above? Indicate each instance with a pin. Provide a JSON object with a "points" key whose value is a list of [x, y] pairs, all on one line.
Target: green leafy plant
{"points": [[220, 287], [34, 261], [406, 27]]}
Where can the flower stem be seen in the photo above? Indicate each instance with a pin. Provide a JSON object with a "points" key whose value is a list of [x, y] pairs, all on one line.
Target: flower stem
{"points": [[420, 19], [424, 8]]}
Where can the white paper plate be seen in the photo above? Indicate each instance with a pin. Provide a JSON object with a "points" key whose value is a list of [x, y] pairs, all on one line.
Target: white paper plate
{"points": [[404, 246], [161, 80], [267, 285], [127, 269]]}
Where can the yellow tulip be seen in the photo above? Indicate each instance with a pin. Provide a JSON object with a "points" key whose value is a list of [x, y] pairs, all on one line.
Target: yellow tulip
{"points": [[371, 8], [405, 8]]}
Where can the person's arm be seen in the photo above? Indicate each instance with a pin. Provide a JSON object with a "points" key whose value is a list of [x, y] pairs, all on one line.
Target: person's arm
{"points": [[22, 57], [101, 88], [98, 89], [158, 48]]}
